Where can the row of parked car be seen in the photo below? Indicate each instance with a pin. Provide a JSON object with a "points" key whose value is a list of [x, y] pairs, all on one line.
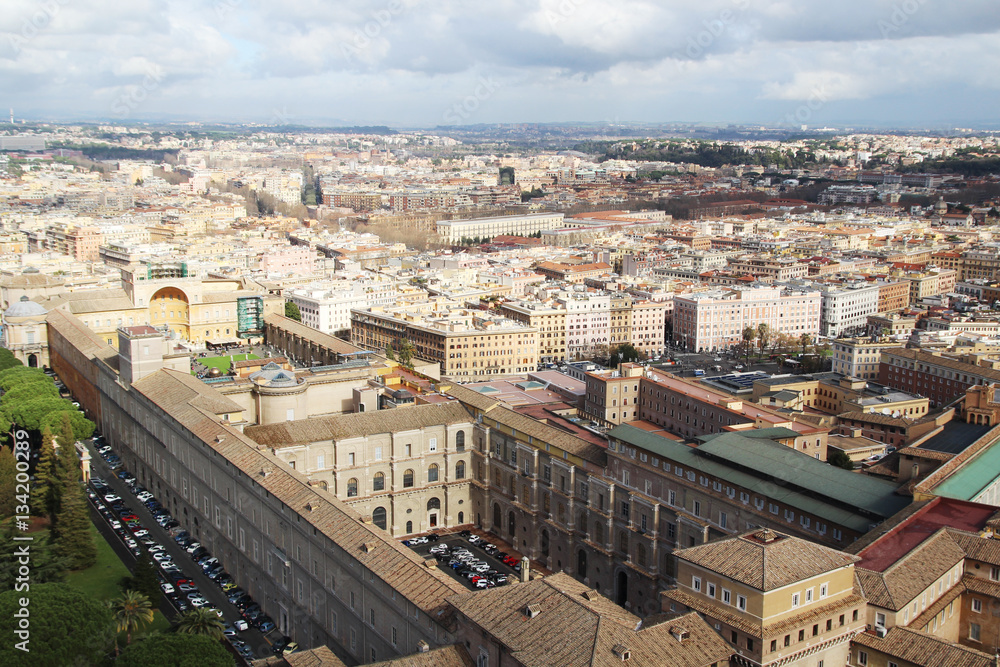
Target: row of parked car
{"points": [[182, 591], [465, 563], [507, 559]]}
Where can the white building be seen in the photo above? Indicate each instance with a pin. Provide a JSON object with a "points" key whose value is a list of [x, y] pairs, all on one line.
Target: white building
{"points": [[517, 225], [715, 320], [859, 357], [588, 322], [846, 308], [327, 306]]}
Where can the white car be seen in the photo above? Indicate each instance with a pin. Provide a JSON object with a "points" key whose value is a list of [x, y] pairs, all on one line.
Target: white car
{"points": [[161, 557], [144, 496], [116, 525], [110, 498], [167, 588]]}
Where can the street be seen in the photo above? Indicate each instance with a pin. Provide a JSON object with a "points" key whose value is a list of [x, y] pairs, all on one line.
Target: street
{"points": [[208, 588]]}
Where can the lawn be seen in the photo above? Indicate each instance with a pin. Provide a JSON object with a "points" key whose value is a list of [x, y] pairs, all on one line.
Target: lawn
{"points": [[100, 581], [223, 363]]}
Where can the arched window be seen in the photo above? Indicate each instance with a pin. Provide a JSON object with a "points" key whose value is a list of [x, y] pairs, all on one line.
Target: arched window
{"points": [[598, 532], [378, 483], [409, 527], [432, 473], [378, 517], [460, 470], [352, 487], [623, 542], [407, 479], [511, 524], [545, 542], [461, 518], [460, 441], [640, 555], [433, 504], [496, 516]]}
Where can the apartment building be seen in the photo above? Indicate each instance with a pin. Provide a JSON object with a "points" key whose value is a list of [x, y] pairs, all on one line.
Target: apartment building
{"points": [[453, 231], [588, 322], [845, 308], [613, 395], [329, 307], [546, 317], [930, 283], [291, 260], [778, 270], [466, 343], [647, 331], [979, 264], [714, 320], [621, 320], [941, 378], [893, 296], [859, 357], [777, 599]]}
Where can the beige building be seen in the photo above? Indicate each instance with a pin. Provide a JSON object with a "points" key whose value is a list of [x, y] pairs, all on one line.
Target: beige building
{"points": [[408, 469], [777, 599], [859, 357], [25, 333], [548, 318], [466, 343]]}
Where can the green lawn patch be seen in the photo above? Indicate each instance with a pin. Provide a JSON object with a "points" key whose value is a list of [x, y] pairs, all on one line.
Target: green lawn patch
{"points": [[101, 579], [223, 363]]}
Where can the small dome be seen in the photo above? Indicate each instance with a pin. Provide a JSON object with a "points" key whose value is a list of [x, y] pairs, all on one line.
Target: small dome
{"points": [[25, 308]]}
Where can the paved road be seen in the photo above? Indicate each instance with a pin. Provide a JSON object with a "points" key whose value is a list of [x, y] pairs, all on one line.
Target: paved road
{"points": [[207, 587]]}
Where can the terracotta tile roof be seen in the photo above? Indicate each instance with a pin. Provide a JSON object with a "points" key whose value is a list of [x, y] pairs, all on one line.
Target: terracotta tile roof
{"points": [[82, 337], [473, 398], [361, 424], [939, 605], [321, 656], [325, 341], [922, 649], [765, 559], [170, 388], [982, 586], [911, 574], [446, 656], [576, 626], [400, 568], [986, 550], [548, 434]]}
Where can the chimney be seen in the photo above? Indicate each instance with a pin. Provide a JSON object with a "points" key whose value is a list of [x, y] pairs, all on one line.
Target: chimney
{"points": [[525, 569]]}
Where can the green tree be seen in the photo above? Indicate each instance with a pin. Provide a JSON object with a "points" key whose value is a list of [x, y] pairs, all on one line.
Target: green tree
{"points": [[8, 481], [43, 495], [131, 611], [292, 311], [200, 621], [145, 578], [83, 428], [841, 460], [68, 627], [763, 336], [26, 391], [624, 353], [406, 352], [805, 340], [71, 536], [46, 567], [8, 360], [749, 334], [175, 650]]}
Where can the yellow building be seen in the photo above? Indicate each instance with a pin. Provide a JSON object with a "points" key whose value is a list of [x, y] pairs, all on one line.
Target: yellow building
{"points": [[777, 599], [550, 322]]}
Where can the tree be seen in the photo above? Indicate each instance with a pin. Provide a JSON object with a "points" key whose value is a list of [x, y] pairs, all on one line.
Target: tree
{"points": [[763, 336], [624, 353], [145, 578], [71, 536], [8, 360], [175, 650], [749, 333], [8, 481], [68, 627], [841, 460], [45, 566], [292, 311], [42, 494], [130, 612], [805, 340], [200, 621]]}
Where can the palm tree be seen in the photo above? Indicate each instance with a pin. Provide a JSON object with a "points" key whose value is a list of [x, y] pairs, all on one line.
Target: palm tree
{"points": [[201, 621], [804, 340], [749, 333], [131, 610]]}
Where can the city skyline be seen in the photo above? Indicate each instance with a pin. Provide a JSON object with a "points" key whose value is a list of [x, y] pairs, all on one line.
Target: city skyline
{"points": [[409, 63]]}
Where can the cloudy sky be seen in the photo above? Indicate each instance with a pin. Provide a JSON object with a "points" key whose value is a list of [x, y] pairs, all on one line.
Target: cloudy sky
{"points": [[927, 63]]}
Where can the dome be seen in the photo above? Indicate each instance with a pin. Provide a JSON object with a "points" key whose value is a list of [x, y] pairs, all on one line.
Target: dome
{"points": [[26, 308]]}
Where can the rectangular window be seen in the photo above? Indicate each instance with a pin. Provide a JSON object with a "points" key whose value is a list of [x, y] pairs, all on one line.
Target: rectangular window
{"points": [[394, 640], [320, 462], [741, 602], [795, 600], [809, 595], [378, 453], [432, 445], [696, 583], [823, 590], [977, 606], [727, 596], [974, 631], [710, 589]]}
